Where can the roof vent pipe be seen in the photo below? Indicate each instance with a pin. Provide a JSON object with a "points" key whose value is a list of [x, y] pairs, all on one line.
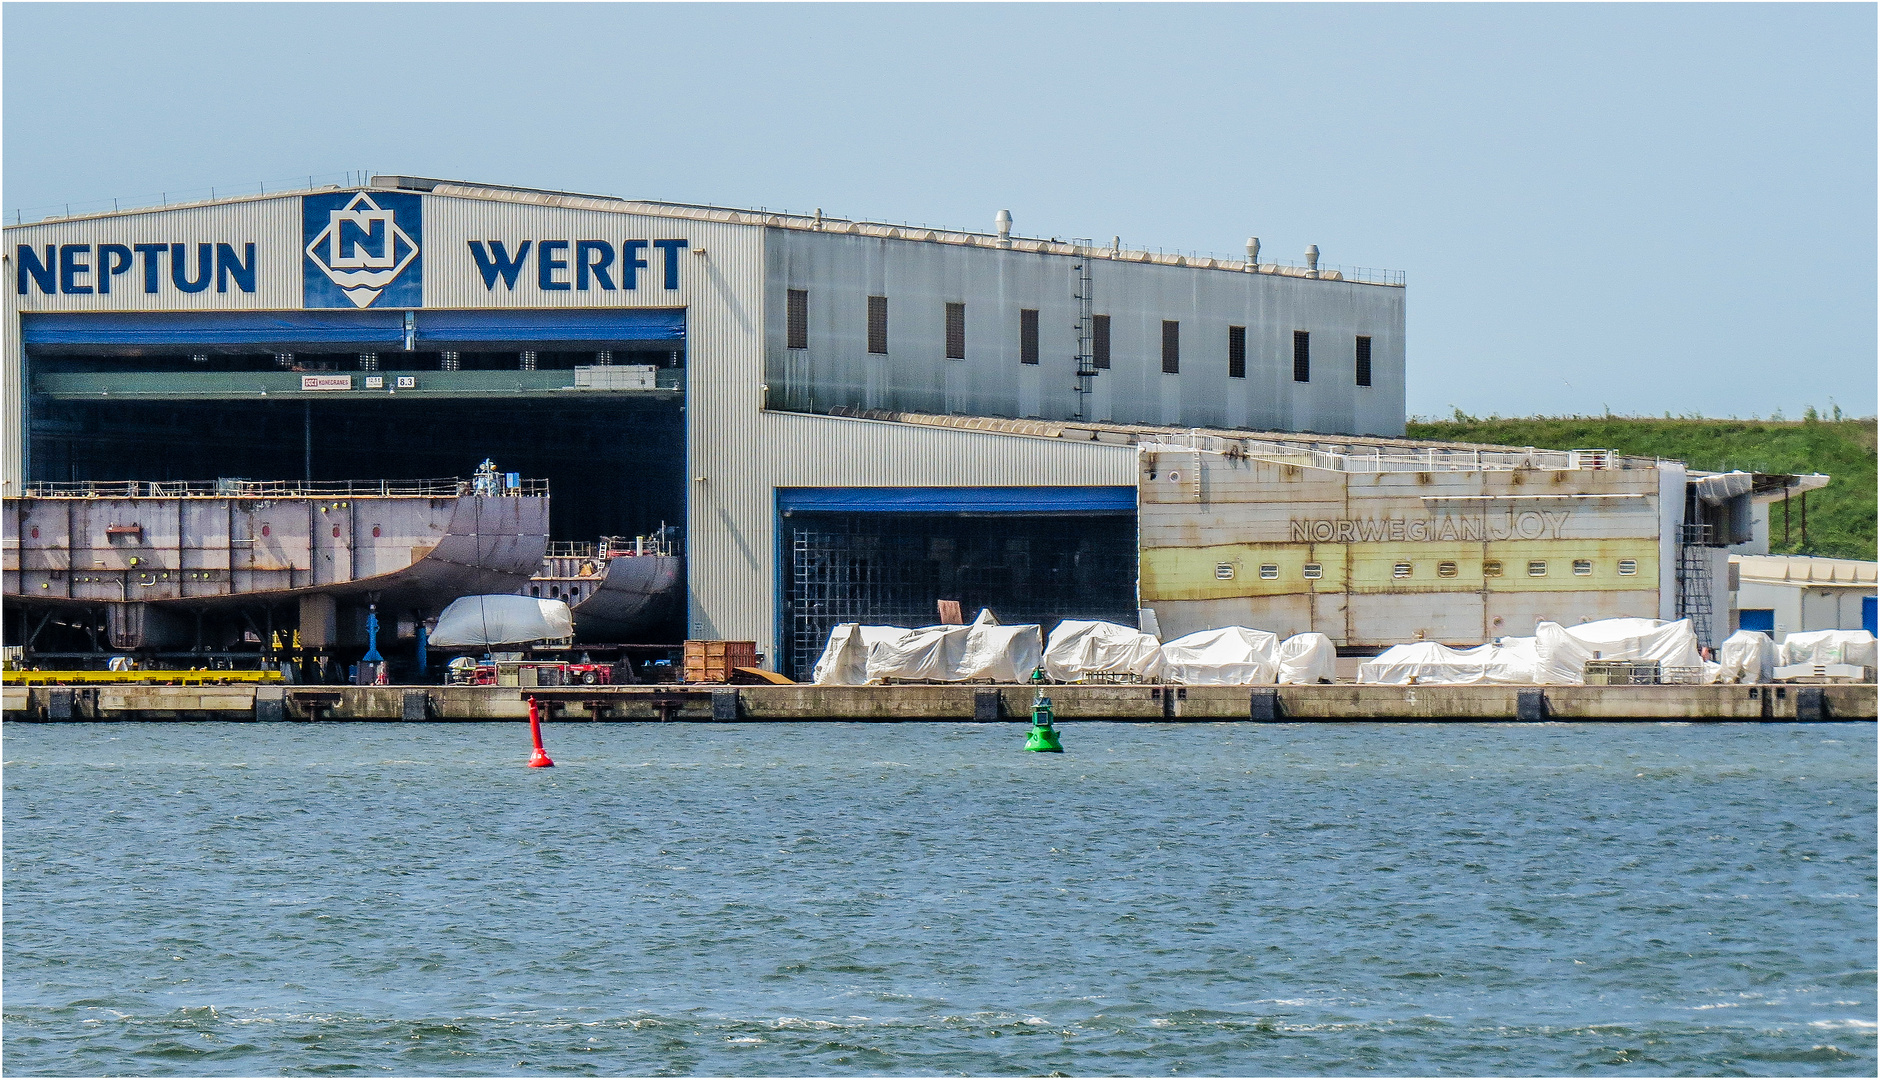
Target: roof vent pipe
{"points": [[1004, 223], [1312, 257], [819, 218], [1116, 246], [1253, 254]]}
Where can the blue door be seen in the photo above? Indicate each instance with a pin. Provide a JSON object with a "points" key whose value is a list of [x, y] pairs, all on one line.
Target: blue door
{"points": [[1763, 619], [1867, 620]]}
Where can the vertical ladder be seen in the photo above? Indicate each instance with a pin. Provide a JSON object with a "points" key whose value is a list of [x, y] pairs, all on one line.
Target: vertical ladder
{"points": [[1086, 332], [1694, 582]]}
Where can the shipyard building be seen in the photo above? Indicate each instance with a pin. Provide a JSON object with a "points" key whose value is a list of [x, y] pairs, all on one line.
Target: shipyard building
{"points": [[833, 420]]}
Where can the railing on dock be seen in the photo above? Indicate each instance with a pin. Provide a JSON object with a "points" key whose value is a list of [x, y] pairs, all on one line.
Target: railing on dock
{"points": [[275, 489]]}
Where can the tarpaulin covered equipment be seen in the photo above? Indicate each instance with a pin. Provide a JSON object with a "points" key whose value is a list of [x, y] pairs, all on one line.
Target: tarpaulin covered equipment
{"points": [[857, 654], [501, 620], [1427, 662], [1079, 649], [1228, 656], [1306, 659], [1562, 651], [1747, 656], [1854, 647]]}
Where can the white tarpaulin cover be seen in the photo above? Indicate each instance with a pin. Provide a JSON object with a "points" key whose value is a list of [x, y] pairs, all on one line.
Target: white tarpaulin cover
{"points": [[1306, 659], [1430, 662], [1229, 656], [501, 620], [858, 654], [1855, 647], [844, 660], [1747, 656], [1007, 654], [1561, 652], [1078, 649]]}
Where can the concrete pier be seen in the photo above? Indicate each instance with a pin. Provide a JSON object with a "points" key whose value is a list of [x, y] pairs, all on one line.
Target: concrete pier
{"points": [[889, 704]]}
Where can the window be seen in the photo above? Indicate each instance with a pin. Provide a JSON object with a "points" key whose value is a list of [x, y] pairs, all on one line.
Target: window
{"points": [[1224, 571], [1445, 569], [1236, 352], [1027, 336], [1401, 570], [1171, 347], [1268, 571], [1628, 567], [796, 319], [1314, 571], [1302, 356], [877, 324], [1537, 568], [1100, 340], [1364, 360], [1491, 568], [1582, 568], [956, 331]]}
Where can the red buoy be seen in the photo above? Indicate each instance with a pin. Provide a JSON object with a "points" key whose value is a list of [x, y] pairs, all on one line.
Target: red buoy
{"points": [[539, 759]]}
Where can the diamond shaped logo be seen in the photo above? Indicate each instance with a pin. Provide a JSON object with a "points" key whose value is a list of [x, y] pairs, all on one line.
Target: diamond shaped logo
{"points": [[362, 248]]}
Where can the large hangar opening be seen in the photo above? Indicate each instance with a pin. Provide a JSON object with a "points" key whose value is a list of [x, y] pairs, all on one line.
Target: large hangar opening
{"points": [[889, 555], [591, 401]]}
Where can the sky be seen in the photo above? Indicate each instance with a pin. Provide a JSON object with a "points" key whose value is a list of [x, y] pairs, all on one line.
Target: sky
{"points": [[1638, 209]]}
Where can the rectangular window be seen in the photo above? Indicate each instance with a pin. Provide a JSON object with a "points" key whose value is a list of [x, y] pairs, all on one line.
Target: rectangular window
{"points": [[1401, 570], [1100, 340], [956, 331], [1236, 352], [1537, 568], [1628, 567], [1582, 568], [1314, 571], [1364, 361], [796, 319], [1302, 356], [1269, 571], [877, 324], [1171, 347], [1027, 336], [1445, 569], [1224, 571], [1491, 568]]}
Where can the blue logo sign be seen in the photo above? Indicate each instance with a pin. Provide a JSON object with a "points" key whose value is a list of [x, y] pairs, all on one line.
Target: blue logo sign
{"points": [[363, 249]]}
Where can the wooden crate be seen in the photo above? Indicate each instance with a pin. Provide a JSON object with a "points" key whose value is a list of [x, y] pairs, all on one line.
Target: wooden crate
{"points": [[712, 661]]}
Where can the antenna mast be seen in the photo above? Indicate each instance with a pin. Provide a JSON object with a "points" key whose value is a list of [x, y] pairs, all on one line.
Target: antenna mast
{"points": [[1086, 328]]}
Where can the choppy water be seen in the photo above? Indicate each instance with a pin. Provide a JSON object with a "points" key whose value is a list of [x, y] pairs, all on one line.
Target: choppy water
{"points": [[925, 898]]}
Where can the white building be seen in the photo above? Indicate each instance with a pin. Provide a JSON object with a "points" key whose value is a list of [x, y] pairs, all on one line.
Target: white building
{"points": [[1786, 594]]}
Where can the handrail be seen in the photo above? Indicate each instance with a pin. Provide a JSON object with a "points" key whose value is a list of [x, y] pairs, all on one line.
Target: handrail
{"points": [[272, 489]]}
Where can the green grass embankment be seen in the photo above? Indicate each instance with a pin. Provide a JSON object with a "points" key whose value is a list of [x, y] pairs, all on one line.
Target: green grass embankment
{"points": [[1841, 517]]}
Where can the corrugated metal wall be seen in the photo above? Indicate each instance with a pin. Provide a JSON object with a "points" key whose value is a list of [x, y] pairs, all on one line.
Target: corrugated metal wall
{"points": [[919, 278]]}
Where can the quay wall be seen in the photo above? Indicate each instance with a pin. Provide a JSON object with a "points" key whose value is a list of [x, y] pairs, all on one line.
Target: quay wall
{"points": [[889, 704]]}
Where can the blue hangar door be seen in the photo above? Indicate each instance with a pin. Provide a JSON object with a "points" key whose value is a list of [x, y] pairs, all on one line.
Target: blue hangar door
{"points": [[888, 556], [590, 399]]}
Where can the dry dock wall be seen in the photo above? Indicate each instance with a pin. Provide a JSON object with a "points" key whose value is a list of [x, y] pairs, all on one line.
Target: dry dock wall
{"points": [[956, 703]]}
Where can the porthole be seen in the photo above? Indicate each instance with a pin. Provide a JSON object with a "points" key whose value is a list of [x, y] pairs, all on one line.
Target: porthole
{"points": [[1401, 570], [1268, 571], [1314, 571], [1445, 569], [1582, 568], [1537, 568], [1628, 567]]}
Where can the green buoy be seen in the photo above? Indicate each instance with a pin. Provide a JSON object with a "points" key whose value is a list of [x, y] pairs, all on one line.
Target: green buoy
{"points": [[1044, 737]]}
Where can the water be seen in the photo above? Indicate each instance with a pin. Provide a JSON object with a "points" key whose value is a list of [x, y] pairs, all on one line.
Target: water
{"points": [[924, 898]]}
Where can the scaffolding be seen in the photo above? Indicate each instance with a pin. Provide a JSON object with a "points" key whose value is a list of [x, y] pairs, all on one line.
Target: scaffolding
{"points": [[893, 570], [1694, 581]]}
